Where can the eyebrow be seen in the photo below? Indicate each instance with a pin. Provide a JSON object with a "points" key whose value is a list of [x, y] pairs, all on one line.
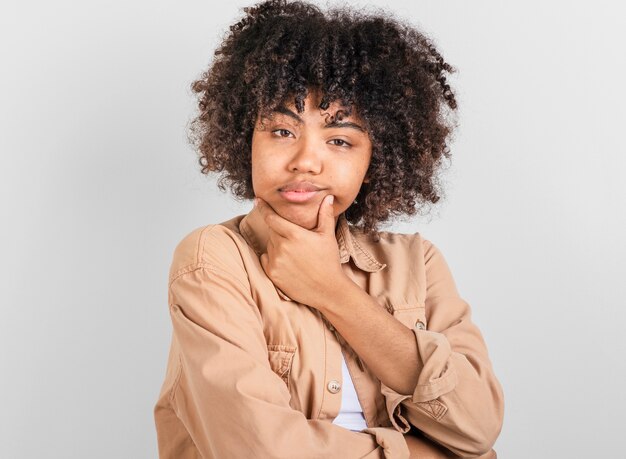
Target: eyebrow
{"points": [[335, 124]]}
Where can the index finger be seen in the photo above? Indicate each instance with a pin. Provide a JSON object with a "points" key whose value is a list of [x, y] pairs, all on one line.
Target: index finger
{"points": [[277, 223]]}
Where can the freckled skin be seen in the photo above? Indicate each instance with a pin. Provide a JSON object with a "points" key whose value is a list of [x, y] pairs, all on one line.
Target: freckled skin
{"points": [[335, 159]]}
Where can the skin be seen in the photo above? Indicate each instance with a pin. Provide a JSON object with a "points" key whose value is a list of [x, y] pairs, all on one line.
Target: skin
{"points": [[284, 150]]}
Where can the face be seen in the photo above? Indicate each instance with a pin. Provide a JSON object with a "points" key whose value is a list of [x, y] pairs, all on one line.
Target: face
{"points": [[293, 147]]}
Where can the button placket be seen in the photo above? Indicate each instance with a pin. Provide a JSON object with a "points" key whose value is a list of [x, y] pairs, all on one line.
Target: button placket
{"points": [[331, 384]]}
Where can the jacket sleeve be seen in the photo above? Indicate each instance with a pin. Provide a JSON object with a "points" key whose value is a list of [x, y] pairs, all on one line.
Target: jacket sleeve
{"points": [[458, 401], [226, 394]]}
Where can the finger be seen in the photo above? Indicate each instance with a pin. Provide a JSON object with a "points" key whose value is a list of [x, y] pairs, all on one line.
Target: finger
{"points": [[326, 216], [275, 222], [271, 243]]}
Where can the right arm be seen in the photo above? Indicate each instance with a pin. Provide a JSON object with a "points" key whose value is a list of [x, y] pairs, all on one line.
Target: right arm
{"points": [[227, 395]]}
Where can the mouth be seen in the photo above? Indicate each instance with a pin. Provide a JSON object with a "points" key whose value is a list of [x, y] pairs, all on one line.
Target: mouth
{"points": [[298, 196]]}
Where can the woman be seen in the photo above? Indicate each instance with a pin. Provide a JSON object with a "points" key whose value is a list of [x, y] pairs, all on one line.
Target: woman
{"points": [[299, 329]]}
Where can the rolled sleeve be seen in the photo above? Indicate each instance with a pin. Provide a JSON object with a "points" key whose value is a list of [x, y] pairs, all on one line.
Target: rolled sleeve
{"points": [[458, 401], [436, 378]]}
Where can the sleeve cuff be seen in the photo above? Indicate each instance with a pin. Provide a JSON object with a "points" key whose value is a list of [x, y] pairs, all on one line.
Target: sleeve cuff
{"points": [[393, 402], [436, 378]]}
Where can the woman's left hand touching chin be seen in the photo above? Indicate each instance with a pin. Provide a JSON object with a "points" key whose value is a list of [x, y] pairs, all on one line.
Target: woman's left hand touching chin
{"points": [[305, 264]]}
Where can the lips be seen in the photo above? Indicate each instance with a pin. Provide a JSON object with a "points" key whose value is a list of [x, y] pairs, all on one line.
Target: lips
{"points": [[302, 186], [298, 196]]}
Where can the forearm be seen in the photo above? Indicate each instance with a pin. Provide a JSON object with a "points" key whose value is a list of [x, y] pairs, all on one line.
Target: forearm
{"points": [[448, 392], [375, 335]]}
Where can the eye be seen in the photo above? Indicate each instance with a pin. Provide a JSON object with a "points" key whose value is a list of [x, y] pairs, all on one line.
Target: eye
{"points": [[345, 144], [281, 130]]}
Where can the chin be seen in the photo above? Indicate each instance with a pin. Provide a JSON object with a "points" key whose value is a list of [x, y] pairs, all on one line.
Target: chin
{"points": [[304, 216]]}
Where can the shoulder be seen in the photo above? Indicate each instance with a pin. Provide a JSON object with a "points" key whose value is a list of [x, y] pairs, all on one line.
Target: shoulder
{"points": [[392, 246], [389, 241], [215, 246]]}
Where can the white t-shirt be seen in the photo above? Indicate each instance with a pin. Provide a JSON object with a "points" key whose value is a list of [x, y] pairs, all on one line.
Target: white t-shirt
{"points": [[351, 414]]}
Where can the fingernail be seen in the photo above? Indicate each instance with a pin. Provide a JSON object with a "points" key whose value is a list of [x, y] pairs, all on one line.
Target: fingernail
{"points": [[331, 199], [256, 201]]}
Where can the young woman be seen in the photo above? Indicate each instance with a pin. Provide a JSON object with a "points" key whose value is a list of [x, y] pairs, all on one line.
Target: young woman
{"points": [[299, 329]]}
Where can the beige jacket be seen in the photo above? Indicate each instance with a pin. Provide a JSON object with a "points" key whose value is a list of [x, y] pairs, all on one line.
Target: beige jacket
{"points": [[253, 374]]}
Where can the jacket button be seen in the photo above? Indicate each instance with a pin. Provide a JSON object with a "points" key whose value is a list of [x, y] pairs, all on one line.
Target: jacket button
{"points": [[333, 386], [420, 325]]}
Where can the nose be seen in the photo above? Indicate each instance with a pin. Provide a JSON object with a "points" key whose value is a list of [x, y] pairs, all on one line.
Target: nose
{"points": [[306, 156]]}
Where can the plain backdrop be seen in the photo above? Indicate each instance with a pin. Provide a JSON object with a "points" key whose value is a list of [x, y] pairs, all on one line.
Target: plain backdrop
{"points": [[98, 184]]}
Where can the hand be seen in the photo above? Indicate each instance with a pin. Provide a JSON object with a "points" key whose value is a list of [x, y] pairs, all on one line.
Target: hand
{"points": [[305, 264]]}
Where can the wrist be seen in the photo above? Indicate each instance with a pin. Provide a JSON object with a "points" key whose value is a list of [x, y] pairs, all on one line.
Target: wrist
{"points": [[336, 296]]}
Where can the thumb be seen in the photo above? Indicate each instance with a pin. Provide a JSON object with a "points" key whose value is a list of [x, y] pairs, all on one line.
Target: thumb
{"points": [[326, 216]]}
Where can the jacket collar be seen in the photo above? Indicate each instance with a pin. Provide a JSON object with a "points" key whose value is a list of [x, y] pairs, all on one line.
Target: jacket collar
{"points": [[256, 233]]}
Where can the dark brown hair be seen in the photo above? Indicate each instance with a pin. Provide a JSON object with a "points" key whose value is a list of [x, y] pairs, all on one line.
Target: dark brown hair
{"points": [[391, 74]]}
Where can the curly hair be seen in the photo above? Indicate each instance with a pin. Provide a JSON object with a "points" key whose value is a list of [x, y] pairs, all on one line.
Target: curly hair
{"points": [[385, 69]]}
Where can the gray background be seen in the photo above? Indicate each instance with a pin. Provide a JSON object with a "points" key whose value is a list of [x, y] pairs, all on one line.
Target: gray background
{"points": [[98, 185]]}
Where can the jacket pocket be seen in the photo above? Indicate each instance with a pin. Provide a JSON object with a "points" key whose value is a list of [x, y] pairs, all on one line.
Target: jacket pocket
{"points": [[281, 358]]}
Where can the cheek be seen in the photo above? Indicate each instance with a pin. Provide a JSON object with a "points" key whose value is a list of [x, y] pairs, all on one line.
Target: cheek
{"points": [[261, 167], [257, 160], [350, 173], [264, 172]]}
